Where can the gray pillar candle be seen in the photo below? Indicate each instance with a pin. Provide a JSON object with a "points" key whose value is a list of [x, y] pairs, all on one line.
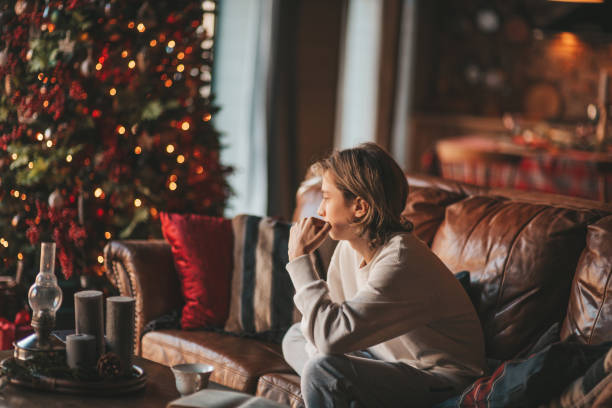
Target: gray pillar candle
{"points": [[120, 328], [89, 316], [81, 351]]}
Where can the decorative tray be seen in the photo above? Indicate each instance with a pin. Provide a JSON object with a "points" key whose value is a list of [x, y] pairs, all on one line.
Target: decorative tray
{"points": [[135, 382]]}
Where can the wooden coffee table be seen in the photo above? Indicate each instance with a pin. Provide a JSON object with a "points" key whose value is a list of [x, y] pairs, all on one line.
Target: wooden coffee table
{"points": [[160, 390]]}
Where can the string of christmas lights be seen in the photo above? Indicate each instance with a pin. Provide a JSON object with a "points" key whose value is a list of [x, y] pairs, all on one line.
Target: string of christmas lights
{"points": [[105, 120]]}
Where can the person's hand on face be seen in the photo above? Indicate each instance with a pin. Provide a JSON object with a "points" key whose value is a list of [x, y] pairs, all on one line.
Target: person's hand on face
{"points": [[306, 235]]}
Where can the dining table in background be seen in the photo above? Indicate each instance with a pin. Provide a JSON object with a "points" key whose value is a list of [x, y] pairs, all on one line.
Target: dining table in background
{"points": [[499, 162]]}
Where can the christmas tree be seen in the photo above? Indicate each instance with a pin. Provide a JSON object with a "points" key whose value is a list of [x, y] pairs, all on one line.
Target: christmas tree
{"points": [[104, 122]]}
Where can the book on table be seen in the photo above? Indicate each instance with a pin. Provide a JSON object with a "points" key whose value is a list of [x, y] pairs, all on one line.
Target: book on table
{"points": [[209, 398]]}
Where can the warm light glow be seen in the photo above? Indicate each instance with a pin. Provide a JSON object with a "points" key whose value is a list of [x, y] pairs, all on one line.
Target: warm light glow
{"points": [[141, 27], [137, 202], [154, 212], [569, 39], [180, 159], [170, 148], [69, 158], [185, 125], [100, 259], [98, 192], [173, 177], [137, 150], [131, 24], [124, 53], [180, 68], [168, 83], [131, 64], [51, 27], [200, 170], [121, 130], [24, 197], [30, 165], [20, 256], [15, 221], [45, 104], [566, 46], [14, 156], [107, 235], [40, 76], [112, 92], [171, 44], [4, 243], [172, 186], [180, 55], [16, 193], [39, 136], [206, 117], [49, 143], [98, 66], [153, 43]]}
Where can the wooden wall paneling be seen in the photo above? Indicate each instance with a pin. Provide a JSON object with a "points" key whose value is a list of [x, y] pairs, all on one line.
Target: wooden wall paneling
{"points": [[320, 28]]}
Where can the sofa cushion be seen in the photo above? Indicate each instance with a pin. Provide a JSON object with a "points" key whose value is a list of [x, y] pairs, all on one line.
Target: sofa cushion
{"points": [[238, 362], [425, 208], [281, 387], [261, 300], [589, 313], [201, 247], [521, 259]]}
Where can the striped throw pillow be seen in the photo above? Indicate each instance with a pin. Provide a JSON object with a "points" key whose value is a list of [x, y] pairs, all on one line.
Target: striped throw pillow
{"points": [[261, 298]]}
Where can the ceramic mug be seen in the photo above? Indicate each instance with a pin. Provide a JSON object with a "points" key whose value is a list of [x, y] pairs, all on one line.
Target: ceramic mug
{"points": [[191, 377]]}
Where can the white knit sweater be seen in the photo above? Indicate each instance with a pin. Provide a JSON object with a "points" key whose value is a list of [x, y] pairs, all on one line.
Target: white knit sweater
{"points": [[405, 305]]}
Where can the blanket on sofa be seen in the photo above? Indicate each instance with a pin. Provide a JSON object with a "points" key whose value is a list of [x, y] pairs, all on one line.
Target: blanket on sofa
{"points": [[535, 380]]}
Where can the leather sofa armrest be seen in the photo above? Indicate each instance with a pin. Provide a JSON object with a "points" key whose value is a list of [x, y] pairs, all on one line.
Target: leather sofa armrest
{"points": [[145, 271]]}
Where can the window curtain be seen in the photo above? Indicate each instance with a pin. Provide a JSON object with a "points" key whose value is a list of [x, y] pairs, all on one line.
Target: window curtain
{"points": [[243, 71], [400, 143]]}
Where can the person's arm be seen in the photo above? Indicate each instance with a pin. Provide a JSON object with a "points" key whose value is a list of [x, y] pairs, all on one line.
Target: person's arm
{"points": [[386, 307]]}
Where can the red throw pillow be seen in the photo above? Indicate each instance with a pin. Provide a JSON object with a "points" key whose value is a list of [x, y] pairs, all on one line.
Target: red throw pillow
{"points": [[202, 247]]}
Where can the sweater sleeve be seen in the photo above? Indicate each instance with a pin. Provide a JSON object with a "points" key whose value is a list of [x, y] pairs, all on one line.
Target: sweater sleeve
{"points": [[385, 307]]}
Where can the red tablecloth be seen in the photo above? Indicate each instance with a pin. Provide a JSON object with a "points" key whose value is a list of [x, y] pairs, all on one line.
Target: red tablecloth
{"points": [[492, 162]]}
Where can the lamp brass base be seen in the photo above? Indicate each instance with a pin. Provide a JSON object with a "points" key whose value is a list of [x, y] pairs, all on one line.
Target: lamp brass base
{"points": [[31, 346]]}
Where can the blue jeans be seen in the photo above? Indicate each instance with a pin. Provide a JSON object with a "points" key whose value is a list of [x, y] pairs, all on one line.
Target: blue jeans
{"points": [[349, 380]]}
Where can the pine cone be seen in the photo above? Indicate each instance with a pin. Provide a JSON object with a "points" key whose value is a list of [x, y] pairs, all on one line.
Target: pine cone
{"points": [[109, 365]]}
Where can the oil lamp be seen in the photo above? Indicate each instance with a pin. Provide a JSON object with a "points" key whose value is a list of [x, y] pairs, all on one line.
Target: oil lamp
{"points": [[45, 298]]}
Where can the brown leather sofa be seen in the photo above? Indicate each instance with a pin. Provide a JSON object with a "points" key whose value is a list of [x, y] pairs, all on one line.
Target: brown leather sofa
{"points": [[534, 260]]}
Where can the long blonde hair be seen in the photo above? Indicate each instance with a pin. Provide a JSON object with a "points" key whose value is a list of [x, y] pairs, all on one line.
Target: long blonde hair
{"points": [[369, 172]]}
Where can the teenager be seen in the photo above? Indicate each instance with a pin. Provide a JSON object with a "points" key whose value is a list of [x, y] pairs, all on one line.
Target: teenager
{"points": [[391, 326]]}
